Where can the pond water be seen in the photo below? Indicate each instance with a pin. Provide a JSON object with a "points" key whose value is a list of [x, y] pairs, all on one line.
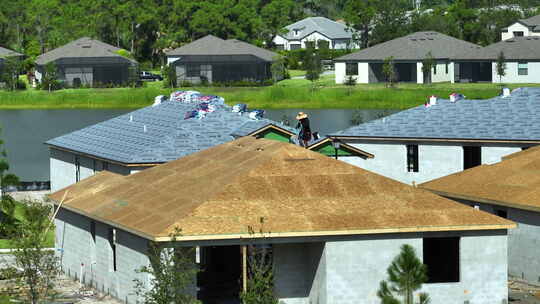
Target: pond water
{"points": [[25, 131]]}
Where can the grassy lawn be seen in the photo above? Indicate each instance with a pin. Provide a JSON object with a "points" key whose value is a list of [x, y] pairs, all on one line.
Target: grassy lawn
{"points": [[49, 239], [290, 93], [295, 73]]}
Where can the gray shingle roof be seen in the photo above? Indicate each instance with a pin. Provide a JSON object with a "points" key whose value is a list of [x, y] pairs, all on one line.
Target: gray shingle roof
{"points": [[168, 136], [325, 26], [211, 45], [81, 48], [414, 47], [533, 22], [517, 48], [512, 118], [7, 53]]}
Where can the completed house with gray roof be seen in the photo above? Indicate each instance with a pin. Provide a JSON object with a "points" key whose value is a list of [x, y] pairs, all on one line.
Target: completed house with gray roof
{"points": [[522, 56], [89, 62], [408, 53], [522, 28], [314, 29], [212, 59], [149, 136], [429, 142]]}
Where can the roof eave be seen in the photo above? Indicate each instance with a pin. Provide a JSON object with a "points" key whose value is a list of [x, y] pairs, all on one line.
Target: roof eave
{"points": [[344, 137]]}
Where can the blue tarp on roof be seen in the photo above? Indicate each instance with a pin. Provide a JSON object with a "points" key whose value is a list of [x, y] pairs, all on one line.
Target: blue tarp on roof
{"points": [[516, 117], [167, 136]]}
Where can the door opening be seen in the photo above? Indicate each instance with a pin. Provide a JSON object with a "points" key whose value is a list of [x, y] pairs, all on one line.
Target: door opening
{"points": [[220, 278]]}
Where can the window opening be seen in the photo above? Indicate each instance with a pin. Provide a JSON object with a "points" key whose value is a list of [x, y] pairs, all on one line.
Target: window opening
{"points": [[501, 213], [472, 157], [351, 69], [112, 243], [105, 166], [441, 256], [523, 68], [412, 158], [93, 230], [77, 169], [518, 33]]}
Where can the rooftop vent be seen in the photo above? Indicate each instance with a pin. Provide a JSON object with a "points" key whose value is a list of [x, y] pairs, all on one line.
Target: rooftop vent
{"points": [[86, 46]]}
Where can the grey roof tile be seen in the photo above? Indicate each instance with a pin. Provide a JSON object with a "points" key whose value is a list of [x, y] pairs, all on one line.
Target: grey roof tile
{"points": [[168, 136], [414, 46], [517, 48], [211, 45], [8, 53], [516, 117], [325, 26]]}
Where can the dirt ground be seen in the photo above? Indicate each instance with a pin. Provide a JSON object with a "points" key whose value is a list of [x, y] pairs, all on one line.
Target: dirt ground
{"points": [[520, 292]]}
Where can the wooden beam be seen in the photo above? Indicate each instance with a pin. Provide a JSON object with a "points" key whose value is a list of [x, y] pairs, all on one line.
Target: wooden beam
{"points": [[244, 268]]}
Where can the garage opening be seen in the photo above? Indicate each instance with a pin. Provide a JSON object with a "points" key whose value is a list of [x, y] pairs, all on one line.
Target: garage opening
{"points": [[441, 256], [472, 157], [220, 278]]}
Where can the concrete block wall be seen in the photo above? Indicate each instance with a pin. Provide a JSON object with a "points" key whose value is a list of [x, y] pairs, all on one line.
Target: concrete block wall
{"points": [[299, 273], [354, 269], [435, 160], [77, 247], [523, 241], [63, 169]]}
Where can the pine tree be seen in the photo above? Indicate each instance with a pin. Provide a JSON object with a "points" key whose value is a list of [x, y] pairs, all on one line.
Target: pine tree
{"points": [[406, 274]]}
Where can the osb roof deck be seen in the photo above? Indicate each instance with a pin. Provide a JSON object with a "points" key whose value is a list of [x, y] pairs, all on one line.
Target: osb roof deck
{"points": [[513, 182], [222, 192]]}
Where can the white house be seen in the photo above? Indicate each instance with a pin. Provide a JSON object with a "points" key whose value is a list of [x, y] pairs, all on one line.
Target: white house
{"points": [[333, 229], [509, 189], [428, 142], [408, 53], [523, 27], [522, 56], [314, 29]]}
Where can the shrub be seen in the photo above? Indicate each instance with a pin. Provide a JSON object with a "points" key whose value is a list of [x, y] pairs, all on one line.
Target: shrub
{"points": [[186, 83]]}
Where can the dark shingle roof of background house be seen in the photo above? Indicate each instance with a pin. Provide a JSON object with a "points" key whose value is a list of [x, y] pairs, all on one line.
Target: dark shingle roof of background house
{"points": [[7, 53], [82, 47], [414, 47], [211, 45], [517, 48], [514, 118], [325, 26], [168, 136]]}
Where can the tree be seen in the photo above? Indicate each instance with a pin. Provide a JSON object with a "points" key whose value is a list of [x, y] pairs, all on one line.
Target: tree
{"points": [[427, 66], [10, 72], [360, 16], [312, 63], [350, 82], [501, 66], [406, 274], [39, 266], [260, 281], [278, 68], [7, 204], [389, 71], [172, 273], [49, 78], [169, 76]]}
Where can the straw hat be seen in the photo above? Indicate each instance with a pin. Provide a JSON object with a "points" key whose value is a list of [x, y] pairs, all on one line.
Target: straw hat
{"points": [[301, 115]]}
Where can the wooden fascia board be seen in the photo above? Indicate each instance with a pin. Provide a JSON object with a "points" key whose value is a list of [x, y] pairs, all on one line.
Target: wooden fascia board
{"points": [[438, 139], [473, 198], [292, 234], [347, 146], [105, 159], [270, 126]]}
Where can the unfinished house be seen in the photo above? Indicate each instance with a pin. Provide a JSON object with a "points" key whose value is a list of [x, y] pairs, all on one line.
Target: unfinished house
{"points": [[88, 62], [212, 59], [149, 136], [522, 57], [445, 137], [409, 53], [333, 228], [511, 190]]}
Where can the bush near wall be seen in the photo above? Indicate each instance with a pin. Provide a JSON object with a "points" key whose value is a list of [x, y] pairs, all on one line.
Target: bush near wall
{"points": [[294, 58]]}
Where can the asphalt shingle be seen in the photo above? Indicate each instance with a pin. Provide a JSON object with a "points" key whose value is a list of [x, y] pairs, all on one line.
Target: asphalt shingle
{"points": [[168, 136], [516, 117], [325, 26]]}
